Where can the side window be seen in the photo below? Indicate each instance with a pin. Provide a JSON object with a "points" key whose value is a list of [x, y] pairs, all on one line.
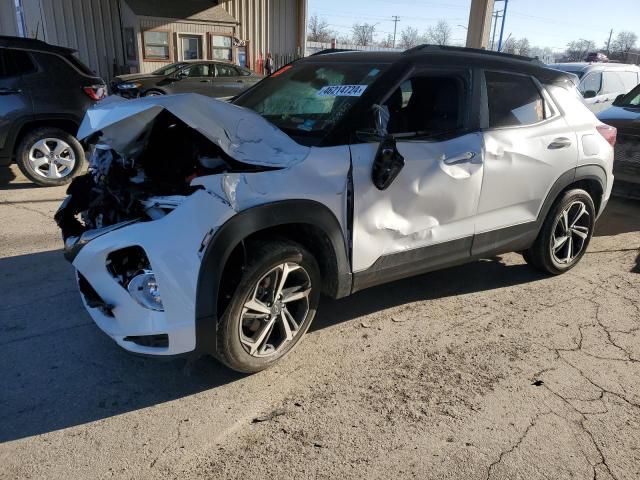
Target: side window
{"points": [[426, 106], [513, 100], [612, 83], [630, 80], [226, 71], [14, 63], [199, 70], [592, 82]]}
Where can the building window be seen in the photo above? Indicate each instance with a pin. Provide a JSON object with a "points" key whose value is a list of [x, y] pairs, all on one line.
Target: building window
{"points": [[221, 48], [156, 45], [190, 47], [130, 43]]}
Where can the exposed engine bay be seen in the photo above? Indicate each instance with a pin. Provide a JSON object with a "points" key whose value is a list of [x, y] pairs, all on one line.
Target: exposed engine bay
{"points": [[147, 182]]}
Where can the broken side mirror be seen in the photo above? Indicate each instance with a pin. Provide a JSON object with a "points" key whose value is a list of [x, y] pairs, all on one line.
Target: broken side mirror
{"points": [[380, 123], [387, 163]]}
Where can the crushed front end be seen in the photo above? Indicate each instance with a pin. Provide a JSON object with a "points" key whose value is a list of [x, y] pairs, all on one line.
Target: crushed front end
{"points": [[135, 226]]}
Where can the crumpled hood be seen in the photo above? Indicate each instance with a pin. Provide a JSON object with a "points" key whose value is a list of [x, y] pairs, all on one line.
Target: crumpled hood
{"points": [[241, 133]]}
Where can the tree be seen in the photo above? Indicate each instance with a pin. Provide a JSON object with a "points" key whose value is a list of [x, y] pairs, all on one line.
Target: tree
{"points": [[623, 44], [524, 47], [409, 38], [387, 42], [318, 30], [510, 45], [440, 34], [363, 34], [578, 49]]}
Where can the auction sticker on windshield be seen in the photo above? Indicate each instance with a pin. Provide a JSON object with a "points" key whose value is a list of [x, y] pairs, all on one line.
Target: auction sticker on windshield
{"points": [[341, 91]]}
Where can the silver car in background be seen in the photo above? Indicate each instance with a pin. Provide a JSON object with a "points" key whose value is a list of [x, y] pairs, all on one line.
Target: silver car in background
{"points": [[601, 83]]}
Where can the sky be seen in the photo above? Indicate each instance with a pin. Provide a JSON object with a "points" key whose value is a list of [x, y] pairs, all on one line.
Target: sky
{"points": [[546, 23]]}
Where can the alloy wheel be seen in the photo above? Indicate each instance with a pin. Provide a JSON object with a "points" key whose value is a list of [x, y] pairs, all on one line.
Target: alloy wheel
{"points": [[570, 233], [276, 310], [52, 158]]}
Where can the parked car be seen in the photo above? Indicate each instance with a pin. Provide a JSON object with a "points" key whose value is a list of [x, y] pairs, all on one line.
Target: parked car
{"points": [[596, 57], [625, 116], [215, 79], [207, 227], [44, 92], [601, 83]]}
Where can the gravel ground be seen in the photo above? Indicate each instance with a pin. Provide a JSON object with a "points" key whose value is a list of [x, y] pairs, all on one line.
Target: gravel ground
{"points": [[488, 370]]}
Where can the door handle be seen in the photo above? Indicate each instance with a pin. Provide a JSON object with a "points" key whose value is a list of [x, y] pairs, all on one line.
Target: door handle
{"points": [[558, 143], [204, 81], [10, 91], [457, 160]]}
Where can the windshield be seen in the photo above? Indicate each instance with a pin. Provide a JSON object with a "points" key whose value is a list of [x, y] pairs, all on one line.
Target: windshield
{"points": [[631, 99], [169, 69], [308, 99]]}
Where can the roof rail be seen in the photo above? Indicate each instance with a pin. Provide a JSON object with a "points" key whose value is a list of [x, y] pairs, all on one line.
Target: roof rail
{"points": [[446, 48], [31, 43], [332, 50]]}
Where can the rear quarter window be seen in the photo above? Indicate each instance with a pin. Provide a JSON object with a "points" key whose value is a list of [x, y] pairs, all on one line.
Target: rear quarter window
{"points": [[78, 65], [513, 100]]}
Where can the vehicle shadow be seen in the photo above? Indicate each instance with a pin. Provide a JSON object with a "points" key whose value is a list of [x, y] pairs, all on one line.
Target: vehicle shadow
{"points": [[7, 176], [483, 275], [621, 216], [58, 370]]}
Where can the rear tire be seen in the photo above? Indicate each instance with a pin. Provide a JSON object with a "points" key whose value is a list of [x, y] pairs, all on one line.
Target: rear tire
{"points": [[565, 234], [267, 317], [50, 156]]}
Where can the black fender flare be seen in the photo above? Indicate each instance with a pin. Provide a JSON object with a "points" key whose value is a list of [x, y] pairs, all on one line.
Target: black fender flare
{"points": [[239, 227], [583, 172]]}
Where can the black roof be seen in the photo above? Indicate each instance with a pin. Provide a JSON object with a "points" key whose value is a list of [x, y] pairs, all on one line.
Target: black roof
{"points": [[445, 55], [32, 44]]}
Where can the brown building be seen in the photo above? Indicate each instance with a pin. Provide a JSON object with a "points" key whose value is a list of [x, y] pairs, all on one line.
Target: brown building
{"points": [[118, 36]]}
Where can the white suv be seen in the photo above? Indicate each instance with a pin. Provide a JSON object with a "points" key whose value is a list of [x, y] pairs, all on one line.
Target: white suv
{"points": [[205, 227]]}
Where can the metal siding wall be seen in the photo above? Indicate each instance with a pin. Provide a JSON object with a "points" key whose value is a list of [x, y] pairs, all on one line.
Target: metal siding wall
{"points": [[90, 26], [269, 25], [8, 20]]}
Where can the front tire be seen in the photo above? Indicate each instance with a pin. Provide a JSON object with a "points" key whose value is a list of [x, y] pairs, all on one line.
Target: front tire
{"points": [[565, 234], [50, 156], [272, 307]]}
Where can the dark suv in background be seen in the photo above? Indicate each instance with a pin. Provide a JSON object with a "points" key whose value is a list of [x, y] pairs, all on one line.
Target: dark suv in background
{"points": [[44, 93]]}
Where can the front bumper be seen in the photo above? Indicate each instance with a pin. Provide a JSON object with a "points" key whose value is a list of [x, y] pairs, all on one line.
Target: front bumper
{"points": [[172, 245]]}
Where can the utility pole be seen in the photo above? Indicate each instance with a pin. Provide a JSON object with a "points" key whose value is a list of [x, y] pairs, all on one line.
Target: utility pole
{"points": [[396, 19], [609, 42], [504, 17], [496, 16]]}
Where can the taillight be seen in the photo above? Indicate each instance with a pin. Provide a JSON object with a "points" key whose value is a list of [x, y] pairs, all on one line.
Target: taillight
{"points": [[608, 132], [95, 92]]}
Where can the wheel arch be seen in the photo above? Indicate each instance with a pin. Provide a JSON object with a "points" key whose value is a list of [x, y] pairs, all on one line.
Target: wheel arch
{"points": [[592, 178], [307, 222], [67, 124]]}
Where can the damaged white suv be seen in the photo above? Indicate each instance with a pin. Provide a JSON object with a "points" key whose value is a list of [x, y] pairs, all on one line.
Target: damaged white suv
{"points": [[206, 227]]}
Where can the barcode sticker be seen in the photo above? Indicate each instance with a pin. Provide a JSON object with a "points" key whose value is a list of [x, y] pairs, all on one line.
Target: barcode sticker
{"points": [[341, 91]]}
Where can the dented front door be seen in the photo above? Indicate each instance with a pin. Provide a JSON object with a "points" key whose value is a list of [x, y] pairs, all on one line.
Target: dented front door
{"points": [[432, 201]]}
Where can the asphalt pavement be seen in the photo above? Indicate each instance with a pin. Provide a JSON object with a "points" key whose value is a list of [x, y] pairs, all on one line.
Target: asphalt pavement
{"points": [[488, 370]]}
